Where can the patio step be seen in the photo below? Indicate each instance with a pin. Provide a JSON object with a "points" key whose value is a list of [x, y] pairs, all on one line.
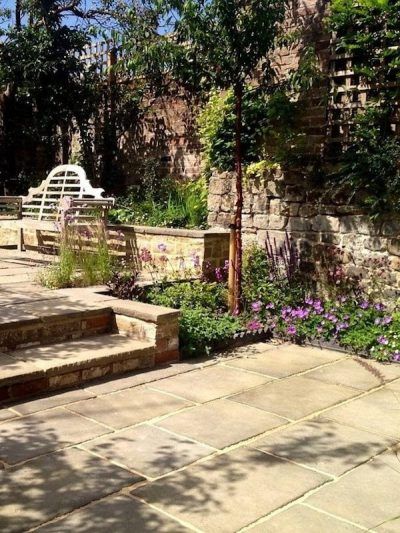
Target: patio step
{"points": [[49, 321], [44, 368]]}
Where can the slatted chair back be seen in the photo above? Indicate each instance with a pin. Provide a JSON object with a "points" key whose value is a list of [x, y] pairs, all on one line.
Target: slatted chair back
{"points": [[42, 203]]}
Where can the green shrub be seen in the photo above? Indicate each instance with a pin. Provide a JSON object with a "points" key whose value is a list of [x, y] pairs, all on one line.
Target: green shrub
{"points": [[175, 204], [201, 331], [190, 295]]}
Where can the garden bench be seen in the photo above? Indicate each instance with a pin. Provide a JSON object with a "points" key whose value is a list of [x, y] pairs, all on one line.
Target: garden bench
{"points": [[43, 210]]}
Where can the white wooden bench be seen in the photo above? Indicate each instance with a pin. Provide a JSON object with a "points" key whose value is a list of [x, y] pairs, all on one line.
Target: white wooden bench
{"points": [[43, 209]]}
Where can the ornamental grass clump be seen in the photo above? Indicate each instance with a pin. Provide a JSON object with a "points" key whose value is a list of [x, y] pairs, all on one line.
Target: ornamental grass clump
{"points": [[84, 258]]}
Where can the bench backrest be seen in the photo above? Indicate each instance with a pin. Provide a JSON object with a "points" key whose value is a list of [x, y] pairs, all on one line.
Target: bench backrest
{"points": [[41, 203]]}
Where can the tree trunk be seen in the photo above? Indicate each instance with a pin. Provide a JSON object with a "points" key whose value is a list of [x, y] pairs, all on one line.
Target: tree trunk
{"points": [[18, 14], [239, 198]]}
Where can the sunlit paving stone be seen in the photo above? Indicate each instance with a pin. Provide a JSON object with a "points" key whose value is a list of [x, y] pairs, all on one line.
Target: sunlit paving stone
{"points": [[230, 491]]}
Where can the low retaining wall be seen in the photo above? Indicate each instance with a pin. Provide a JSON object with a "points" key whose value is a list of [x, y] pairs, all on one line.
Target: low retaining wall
{"points": [[168, 248]]}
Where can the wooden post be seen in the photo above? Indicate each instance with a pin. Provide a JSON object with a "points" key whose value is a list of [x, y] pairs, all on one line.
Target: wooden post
{"points": [[232, 269]]}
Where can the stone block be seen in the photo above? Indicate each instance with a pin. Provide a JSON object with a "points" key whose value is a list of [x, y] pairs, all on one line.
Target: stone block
{"points": [[277, 222], [377, 244], [261, 221], [394, 247], [260, 204], [391, 228], [65, 380], [358, 224], [299, 224], [325, 223]]}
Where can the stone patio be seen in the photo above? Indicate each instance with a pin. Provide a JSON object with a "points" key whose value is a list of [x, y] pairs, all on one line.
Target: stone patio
{"points": [[266, 439]]}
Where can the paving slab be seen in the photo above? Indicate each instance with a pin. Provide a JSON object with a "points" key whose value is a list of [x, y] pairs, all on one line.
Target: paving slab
{"points": [[296, 397], [369, 495], [56, 484], [285, 360], [210, 383], [6, 414], [325, 445], [149, 450], [26, 437], [302, 519], [394, 385], [11, 368], [49, 401], [12, 315], [231, 490], [357, 373], [140, 378], [121, 514], [389, 526], [221, 423], [79, 351], [378, 412], [129, 407]]}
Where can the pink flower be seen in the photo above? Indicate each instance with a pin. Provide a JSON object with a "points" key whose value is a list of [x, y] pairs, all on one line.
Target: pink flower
{"points": [[254, 325], [291, 330], [256, 306], [145, 255]]}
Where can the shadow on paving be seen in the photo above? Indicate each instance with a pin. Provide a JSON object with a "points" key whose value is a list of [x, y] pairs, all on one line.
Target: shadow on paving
{"points": [[50, 485]]}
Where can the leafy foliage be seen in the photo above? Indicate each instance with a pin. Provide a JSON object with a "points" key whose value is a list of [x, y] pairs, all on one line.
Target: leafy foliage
{"points": [[369, 30], [190, 295], [201, 331], [370, 168], [172, 204]]}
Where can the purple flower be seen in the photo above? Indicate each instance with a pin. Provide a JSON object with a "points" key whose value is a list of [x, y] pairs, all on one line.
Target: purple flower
{"points": [[219, 275], [256, 306], [286, 311], [382, 340], [386, 320], [364, 304], [162, 247], [300, 313], [379, 307], [309, 301], [318, 307], [396, 356], [332, 318], [254, 325], [270, 305], [291, 330], [341, 326], [196, 261], [320, 329]]}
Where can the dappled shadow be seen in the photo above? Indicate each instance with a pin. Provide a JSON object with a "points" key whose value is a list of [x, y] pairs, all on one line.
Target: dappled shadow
{"points": [[324, 444], [50, 485]]}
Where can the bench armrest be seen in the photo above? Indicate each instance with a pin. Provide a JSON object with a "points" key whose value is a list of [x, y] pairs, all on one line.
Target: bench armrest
{"points": [[12, 205]]}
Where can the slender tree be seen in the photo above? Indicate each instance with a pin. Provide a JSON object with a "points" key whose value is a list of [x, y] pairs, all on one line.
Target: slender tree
{"points": [[220, 44]]}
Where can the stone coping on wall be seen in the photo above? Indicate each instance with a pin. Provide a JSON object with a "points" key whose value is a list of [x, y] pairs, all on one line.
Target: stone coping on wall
{"points": [[169, 232]]}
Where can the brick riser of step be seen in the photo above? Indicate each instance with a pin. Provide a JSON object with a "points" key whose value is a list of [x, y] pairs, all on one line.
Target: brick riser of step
{"points": [[59, 366], [57, 328]]}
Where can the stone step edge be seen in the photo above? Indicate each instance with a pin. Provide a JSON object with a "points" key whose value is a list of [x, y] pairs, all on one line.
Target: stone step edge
{"points": [[66, 375]]}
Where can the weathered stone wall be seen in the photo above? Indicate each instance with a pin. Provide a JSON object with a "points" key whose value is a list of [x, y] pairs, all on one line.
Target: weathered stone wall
{"points": [[318, 227], [170, 249]]}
